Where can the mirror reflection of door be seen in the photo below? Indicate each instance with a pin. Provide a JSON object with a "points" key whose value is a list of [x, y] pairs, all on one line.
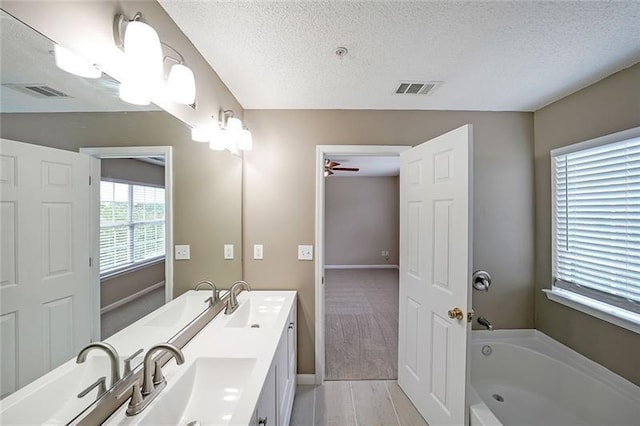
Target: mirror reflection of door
{"points": [[132, 240]]}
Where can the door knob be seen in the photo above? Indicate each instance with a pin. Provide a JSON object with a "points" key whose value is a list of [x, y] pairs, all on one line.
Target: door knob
{"points": [[456, 313]]}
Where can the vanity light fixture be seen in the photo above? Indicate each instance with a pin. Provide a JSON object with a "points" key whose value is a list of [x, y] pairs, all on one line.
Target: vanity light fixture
{"points": [[143, 58], [200, 134], [237, 136], [181, 83], [68, 61]]}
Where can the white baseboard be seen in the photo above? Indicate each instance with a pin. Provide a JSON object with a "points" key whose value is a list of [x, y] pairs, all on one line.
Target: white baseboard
{"points": [[361, 266], [128, 299], [306, 379]]}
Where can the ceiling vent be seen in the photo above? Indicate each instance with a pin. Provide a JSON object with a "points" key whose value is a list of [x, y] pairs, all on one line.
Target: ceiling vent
{"points": [[38, 90], [417, 87]]}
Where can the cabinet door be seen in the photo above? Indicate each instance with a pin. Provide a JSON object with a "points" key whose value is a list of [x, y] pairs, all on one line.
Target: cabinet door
{"points": [[282, 364], [291, 345], [267, 405]]}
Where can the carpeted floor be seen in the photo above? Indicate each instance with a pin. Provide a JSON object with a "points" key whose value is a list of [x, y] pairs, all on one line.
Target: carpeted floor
{"points": [[114, 321], [361, 324]]}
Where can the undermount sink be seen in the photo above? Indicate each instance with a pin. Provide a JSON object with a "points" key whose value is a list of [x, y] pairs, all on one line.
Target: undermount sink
{"points": [[257, 312], [208, 393], [186, 307]]}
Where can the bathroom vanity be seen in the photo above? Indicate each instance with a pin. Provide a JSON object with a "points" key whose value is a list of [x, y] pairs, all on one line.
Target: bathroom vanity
{"points": [[239, 369]]}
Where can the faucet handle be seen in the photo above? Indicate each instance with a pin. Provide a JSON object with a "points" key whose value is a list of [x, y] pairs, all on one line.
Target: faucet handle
{"points": [[136, 400]]}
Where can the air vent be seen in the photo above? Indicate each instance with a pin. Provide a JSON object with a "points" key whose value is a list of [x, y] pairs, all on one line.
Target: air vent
{"points": [[38, 90], [417, 87]]}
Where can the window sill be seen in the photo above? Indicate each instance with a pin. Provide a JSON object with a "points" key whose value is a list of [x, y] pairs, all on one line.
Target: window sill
{"points": [[603, 311], [130, 268]]}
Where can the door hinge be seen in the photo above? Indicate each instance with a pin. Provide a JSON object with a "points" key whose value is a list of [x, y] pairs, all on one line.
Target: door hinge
{"points": [[322, 281], [90, 262], [89, 180]]}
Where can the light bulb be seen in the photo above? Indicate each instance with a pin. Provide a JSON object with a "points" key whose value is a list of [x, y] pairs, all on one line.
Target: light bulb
{"points": [[182, 84], [134, 94], [70, 62]]}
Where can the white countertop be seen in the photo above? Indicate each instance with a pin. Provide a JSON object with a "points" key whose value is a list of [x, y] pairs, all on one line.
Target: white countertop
{"points": [[217, 340]]}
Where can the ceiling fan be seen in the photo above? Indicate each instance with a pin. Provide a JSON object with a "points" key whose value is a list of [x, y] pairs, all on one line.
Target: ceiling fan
{"points": [[331, 166]]}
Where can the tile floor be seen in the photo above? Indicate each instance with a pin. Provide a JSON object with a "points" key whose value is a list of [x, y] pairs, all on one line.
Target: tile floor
{"points": [[358, 402]]}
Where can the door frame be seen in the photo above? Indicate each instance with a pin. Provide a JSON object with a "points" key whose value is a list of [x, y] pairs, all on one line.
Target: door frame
{"points": [[129, 152], [321, 152]]}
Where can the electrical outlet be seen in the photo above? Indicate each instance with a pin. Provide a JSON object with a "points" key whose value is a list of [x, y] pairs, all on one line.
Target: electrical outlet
{"points": [[228, 251], [183, 252], [258, 251], [305, 252]]}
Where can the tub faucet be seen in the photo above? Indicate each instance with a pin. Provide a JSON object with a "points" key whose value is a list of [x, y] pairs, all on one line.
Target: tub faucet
{"points": [[485, 322], [216, 293], [114, 359], [232, 301]]}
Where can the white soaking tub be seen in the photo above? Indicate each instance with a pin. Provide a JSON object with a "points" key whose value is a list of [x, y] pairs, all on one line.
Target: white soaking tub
{"points": [[525, 378]]}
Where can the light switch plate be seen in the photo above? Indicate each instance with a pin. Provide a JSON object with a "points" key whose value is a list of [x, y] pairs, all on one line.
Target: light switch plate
{"points": [[183, 252], [228, 251], [305, 252], [258, 251]]}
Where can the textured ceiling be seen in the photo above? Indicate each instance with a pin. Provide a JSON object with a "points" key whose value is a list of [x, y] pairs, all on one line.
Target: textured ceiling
{"points": [[500, 55]]}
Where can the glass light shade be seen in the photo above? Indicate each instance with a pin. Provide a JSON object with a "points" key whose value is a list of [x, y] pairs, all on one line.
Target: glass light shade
{"points": [[245, 141], [200, 134], [74, 64], [218, 143], [182, 84], [134, 94], [144, 54], [234, 125]]}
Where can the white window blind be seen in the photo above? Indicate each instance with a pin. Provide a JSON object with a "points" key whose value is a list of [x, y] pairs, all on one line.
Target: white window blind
{"points": [[132, 225], [596, 222]]}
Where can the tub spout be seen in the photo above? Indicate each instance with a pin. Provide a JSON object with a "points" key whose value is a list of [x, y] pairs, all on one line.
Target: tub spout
{"points": [[485, 322]]}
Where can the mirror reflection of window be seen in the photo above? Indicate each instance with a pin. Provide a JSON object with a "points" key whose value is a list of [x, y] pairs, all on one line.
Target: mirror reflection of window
{"points": [[132, 226]]}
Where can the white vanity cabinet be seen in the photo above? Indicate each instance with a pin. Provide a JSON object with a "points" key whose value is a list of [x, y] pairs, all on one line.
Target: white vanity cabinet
{"points": [[276, 399]]}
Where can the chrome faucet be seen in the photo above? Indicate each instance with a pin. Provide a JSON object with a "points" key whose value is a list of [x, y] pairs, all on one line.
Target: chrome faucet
{"points": [[485, 322], [232, 301], [152, 382], [216, 293], [114, 359]]}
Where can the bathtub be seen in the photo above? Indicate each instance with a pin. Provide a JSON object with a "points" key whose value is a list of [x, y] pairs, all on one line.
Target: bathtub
{"points": [[523, 377]]}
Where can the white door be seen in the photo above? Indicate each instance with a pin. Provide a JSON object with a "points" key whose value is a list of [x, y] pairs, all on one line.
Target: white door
{"points": [[435, 271], [45, 248]]}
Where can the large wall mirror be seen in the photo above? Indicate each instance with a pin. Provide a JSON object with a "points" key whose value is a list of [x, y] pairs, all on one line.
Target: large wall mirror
{"points": [[47, 117]]}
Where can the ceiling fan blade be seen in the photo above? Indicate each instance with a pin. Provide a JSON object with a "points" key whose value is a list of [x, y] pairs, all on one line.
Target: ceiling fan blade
{"points": [[327, 172], [347, 169], [331, 164]]}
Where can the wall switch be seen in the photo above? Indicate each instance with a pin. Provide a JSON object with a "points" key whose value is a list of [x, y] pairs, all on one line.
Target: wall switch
{"points": [[305, 252], [258, 251], [183, 252], [228, 251]]}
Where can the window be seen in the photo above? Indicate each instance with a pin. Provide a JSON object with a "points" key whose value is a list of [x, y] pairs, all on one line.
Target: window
{"points": [[596, 224], [131, 225]]}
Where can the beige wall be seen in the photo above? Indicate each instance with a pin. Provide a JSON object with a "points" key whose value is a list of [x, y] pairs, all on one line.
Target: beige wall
{"points": [[361, 220], [124, 285], [279, 200], [207, 197], [132, 170], [608, 106]]}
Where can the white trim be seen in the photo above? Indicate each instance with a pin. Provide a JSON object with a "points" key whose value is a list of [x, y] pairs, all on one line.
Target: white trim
{"points": [[321, 152], [386, 266], [131, 297], [634, 132], [596, 308], [132, 152], [306, 379]]}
